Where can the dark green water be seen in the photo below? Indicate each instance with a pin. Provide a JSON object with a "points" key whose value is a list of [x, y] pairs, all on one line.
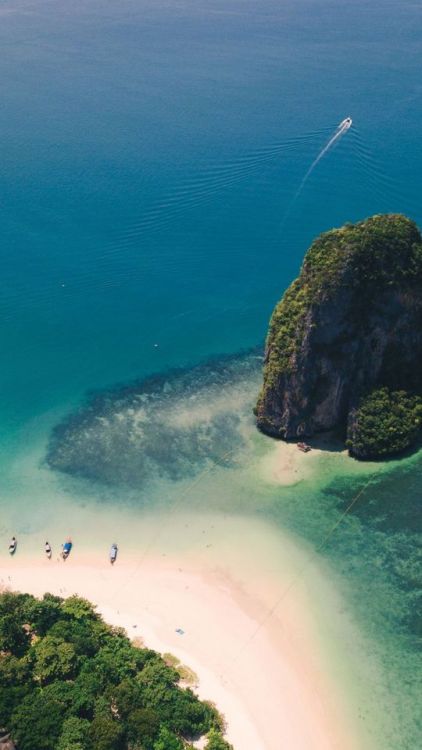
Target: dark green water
{"points": [[376, 555]]}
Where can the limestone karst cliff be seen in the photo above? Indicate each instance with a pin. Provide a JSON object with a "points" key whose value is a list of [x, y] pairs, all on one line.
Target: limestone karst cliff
{"points": [[344, 348]]}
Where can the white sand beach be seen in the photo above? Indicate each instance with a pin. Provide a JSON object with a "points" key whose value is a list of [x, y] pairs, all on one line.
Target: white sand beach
{"points": [[260, 664], [284, 464]]}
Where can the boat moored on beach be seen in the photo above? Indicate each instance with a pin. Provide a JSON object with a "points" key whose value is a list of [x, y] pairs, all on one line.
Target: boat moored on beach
{"points": [[48, 551], [67, 546], [304, 447], [113, 553], [12, 546]]}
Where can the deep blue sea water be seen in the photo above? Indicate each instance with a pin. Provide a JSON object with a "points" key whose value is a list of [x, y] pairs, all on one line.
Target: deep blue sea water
{"points": [[151, 152]]}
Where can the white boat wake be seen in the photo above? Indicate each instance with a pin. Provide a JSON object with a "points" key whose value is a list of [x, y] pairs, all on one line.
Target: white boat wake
{"points": [[341, 129]]}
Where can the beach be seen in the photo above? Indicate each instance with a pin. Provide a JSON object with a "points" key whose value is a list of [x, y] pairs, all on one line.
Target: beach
{"points": [[249, 639], [284, 464], [165, 168]]}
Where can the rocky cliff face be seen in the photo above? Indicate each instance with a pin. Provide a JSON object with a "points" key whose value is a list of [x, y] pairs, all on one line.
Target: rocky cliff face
{"points": [[350, 323]]}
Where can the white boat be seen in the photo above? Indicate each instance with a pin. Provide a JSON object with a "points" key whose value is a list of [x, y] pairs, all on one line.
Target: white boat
{"points": [[113, 553], [48, 551], [12, 546]]}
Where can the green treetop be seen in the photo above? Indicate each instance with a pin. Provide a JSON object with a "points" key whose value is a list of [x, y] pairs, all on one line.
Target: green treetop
{"points": [[68, 681]]}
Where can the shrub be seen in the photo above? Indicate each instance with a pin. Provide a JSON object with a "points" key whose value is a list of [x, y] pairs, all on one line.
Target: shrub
{"points": [[385, 422], [70, 682]]}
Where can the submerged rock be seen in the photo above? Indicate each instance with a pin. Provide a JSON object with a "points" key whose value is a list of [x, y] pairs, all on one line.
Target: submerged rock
{"points": [[349, 325]]}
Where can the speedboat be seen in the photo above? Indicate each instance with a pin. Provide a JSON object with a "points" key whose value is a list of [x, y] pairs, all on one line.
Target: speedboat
{"points": [[47, 549], [12, 546], [67, 546], [346, 123], [113, 553]]}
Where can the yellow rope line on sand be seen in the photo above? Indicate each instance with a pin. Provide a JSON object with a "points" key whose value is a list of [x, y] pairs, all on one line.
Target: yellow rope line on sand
{"points": [[300, 572]]}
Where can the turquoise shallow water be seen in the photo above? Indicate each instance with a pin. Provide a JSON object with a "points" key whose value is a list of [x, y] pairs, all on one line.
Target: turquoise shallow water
{"points": [[150, 151], [179, 454]]}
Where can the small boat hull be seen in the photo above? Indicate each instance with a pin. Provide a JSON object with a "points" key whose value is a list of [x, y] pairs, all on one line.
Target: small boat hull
{"points": [[66, 549], [13, 545], [304, 447]]}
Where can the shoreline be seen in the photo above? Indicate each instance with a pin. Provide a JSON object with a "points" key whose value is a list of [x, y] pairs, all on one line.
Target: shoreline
{"points": [[264, 673]]}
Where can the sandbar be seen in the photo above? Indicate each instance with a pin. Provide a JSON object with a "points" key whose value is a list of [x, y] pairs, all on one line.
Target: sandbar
{"points": [[262, 669]]}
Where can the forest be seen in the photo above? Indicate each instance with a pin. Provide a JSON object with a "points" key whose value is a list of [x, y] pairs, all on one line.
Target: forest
{"points": [[69, 681]]}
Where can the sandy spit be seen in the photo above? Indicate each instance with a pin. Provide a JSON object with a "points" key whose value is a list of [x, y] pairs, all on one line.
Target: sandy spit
{"points": [[261, 670]]}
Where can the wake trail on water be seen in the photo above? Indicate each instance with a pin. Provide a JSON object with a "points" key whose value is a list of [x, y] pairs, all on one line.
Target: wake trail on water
{"points": [[341, 129], [202, 186], [385, 192]]}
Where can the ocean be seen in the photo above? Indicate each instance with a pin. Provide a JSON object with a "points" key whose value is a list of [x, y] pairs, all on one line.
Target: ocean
{"points": [[153, 211]]}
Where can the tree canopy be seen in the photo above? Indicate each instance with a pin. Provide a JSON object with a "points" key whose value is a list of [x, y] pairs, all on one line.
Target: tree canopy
{"points": [[385, 422], [69, 681]]}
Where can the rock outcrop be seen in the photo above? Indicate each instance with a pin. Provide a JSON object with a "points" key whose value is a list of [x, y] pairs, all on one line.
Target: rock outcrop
{"points": [[350, 323]]}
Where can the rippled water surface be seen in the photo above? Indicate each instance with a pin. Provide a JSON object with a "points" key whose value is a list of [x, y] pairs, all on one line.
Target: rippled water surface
{"points": [[152, 211]]}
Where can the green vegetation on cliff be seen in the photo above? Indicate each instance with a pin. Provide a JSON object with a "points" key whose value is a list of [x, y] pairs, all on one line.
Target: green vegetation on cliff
{"points": [[385, 422], [364, 256], [350, 324], [68, 681]]}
